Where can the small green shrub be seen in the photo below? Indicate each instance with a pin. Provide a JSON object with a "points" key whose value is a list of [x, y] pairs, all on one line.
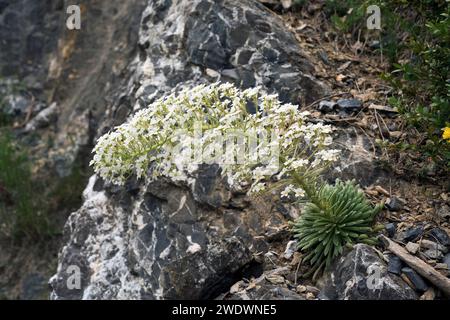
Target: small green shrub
{"points": [[339, 218], [21, 213], [424, 82], [346, 16]]}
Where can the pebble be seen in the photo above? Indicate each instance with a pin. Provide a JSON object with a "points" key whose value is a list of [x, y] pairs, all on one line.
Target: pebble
{"points": [[427, 244], [390, 229], [413, 233], [212, 73], [323, 55], [349, 104], [395, 265], [301, 289], [375, 44], [442, 266], [291, 248], [417, 281], [286, 4], [394, 204], [326, 106], [443, 212], [428, 295], [441, 236], [433, 254], [412, 247], [310, 296]]}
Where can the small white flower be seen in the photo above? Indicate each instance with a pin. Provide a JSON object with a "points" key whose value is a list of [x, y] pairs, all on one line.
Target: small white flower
{"points": [[328, 155], [291, 189], [258, 187], [287, 190], [299, 192], [299, 163]]}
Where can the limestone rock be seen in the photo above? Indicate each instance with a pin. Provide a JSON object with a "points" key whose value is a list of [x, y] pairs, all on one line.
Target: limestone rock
{"points": [[362, 275]]}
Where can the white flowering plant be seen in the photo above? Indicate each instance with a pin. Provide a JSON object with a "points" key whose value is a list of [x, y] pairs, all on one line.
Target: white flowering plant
{"points": [[251, 135], [258, 142]]}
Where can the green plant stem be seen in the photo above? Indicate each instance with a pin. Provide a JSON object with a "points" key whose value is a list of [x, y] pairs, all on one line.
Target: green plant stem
{"points": [[310, 189]]}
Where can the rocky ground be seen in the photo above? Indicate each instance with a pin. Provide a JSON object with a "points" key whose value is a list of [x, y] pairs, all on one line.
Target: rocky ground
{"points": [[165, 240]]}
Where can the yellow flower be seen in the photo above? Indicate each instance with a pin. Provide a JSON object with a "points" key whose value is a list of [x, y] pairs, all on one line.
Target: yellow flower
{"points": [[446, 134]]}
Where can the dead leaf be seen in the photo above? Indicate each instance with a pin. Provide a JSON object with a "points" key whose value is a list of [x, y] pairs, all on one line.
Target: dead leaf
{"points": [[382, 108], [341, 77], [361, 81], [395, 134], [358, 47], [316, 114], [301, 27], [372, 192], [380, 189], [364, 122], [344, 66], [364, 96], [275, 279], [251, 286], [296, 259], [236, 287]]}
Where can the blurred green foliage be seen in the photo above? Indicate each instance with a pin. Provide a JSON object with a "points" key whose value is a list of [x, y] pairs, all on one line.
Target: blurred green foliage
{"points": [[22, 212]]}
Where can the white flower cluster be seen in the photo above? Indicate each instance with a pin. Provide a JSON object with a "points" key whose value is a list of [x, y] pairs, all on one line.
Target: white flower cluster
{"points": [[291, 189], [251, 135]]}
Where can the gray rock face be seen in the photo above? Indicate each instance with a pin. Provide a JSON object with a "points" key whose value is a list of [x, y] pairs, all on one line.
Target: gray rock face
{"points": [[228, 40], [29, 31], [363, 275], [166, 241], [358, 160], [157, 241]]}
